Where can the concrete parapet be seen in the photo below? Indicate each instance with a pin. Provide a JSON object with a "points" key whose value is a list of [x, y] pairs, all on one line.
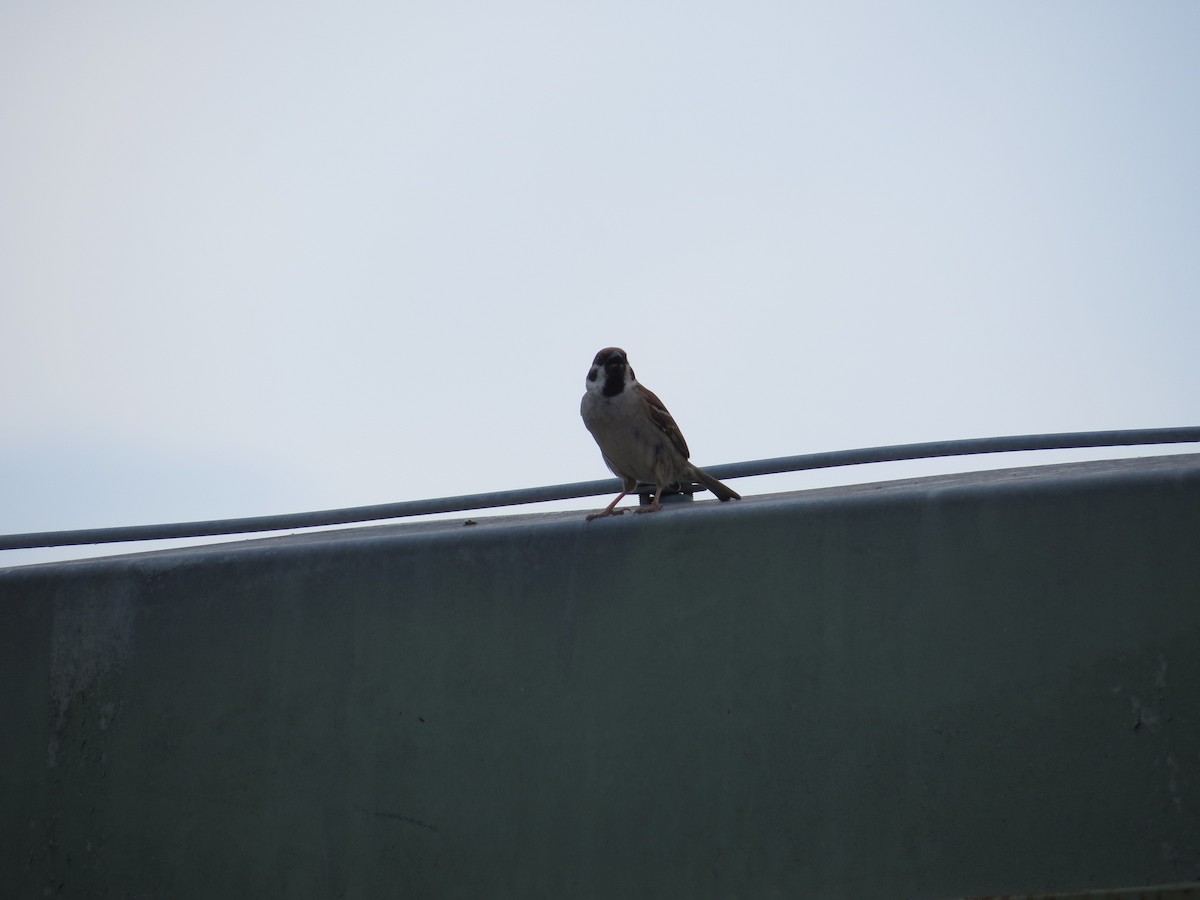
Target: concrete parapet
{"points": [[969, 684]]}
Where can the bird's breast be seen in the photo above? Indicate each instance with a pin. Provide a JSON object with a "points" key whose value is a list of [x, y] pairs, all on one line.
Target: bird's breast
{"points": [[632, 446]]}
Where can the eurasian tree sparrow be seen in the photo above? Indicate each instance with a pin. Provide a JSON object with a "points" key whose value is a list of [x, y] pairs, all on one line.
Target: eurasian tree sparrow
{"points": [[638, 439]]}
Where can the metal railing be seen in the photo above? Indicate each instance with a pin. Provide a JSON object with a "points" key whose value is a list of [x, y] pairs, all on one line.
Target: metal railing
{"points": [[494, 499]]}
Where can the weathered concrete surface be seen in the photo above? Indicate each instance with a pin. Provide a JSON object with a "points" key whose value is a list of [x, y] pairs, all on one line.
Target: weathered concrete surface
{"points": [[950, 686]]}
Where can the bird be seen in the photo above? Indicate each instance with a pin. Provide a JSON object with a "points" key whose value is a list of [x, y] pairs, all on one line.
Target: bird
{"points": [[638, 439]]}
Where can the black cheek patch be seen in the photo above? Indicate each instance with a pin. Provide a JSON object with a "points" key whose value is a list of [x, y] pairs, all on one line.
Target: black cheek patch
{"points": [[593, 375]]}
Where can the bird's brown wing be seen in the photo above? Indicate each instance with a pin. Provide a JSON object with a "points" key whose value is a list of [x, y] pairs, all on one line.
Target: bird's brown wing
{"points": [[663, 421]]}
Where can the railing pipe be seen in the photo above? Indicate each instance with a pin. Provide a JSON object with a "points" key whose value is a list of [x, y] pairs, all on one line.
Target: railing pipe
{"points": [[469, 502]]}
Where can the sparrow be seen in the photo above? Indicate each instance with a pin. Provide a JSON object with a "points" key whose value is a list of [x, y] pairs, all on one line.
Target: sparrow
{"points": [[637, 436]]}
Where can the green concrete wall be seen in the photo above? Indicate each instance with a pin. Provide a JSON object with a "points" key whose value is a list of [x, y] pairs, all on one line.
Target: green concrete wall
{"points": [[959, 685]]}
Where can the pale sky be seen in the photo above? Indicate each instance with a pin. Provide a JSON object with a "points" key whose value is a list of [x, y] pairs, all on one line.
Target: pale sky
{"points": [[259, 258]]}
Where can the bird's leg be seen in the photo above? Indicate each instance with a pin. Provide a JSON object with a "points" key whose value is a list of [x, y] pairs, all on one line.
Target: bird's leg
{"points": [[609, 511], [657, 504]]}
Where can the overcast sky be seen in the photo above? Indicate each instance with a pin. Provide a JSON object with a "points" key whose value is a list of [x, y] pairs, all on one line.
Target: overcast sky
{"points": [[268, 257]]}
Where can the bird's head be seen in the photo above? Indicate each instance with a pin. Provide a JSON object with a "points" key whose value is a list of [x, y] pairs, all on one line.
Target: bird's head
{"points": [[610, 372]]}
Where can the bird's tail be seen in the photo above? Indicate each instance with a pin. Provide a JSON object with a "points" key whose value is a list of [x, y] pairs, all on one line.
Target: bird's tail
{"points": [[721, 491]]}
